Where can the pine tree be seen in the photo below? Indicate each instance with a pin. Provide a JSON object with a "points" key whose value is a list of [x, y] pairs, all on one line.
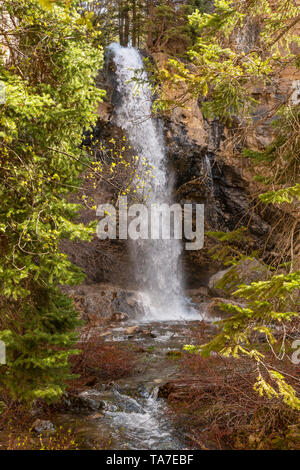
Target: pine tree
{"points": [[48, 65]]}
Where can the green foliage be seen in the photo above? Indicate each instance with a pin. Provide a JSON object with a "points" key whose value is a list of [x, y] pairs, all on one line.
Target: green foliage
{"points": [[170, 29], [51, 98], [158, 25], [282, 158], [263, 306], [226, 67], [282, 195], [227, 249], [284, 391], [266, 304]]}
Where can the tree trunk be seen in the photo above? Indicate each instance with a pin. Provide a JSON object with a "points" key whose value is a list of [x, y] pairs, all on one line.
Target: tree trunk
{"points": [[150, 18], [124, 23], [126, 26], [121, 23], [134, 23]]}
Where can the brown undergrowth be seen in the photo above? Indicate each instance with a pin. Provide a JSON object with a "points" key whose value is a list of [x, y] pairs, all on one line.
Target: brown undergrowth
{"points": [[216, 407], [63, 439], [16, 431], [99, 360]]}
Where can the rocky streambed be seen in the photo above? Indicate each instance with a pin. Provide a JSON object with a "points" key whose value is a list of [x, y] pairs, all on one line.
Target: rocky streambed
{"points": [[131, 413]]}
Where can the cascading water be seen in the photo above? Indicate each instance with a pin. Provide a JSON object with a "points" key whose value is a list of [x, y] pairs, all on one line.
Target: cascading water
{"points": [[209, 176], [157, 262]]}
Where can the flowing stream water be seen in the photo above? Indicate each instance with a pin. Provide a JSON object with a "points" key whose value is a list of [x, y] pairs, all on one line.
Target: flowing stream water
{"points": [[133, 415]]}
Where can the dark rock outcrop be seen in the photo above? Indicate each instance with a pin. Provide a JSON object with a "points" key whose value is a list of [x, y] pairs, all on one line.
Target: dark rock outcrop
{"points": [[105, 301]]}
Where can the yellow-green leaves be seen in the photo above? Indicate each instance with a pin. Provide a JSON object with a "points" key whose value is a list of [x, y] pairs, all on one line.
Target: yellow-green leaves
{"points": [[284, 195], [47, 3], [284, 390]]}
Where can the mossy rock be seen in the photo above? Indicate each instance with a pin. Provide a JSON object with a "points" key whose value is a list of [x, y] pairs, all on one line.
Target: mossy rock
{"points": [[174, 354]]}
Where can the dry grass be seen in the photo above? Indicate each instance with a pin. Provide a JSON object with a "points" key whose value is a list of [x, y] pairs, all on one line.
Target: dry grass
{"points": [[99, 360], [215, 405]]}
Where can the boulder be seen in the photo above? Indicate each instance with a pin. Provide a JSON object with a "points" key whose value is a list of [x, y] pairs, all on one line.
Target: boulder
{"points": [[215, 311], [215, 278], [198, 295], [99, 302], [119, 316], [43, 427], [165, 390], [132, 330], [89, 400], [224, 282], [96, 416], [148, 333]]}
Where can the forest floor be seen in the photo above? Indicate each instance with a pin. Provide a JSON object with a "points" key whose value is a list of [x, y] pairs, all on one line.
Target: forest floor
{"points": [[214, 402], [139, 390]]}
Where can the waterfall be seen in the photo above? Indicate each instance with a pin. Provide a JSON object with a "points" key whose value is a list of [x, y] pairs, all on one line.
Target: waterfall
{"points": [[157, 262], [209, 176]]}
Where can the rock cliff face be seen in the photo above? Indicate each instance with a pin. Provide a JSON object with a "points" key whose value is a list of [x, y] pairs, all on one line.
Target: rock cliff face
{"points": [[208, 169], [205, 157], [205, 174]]}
